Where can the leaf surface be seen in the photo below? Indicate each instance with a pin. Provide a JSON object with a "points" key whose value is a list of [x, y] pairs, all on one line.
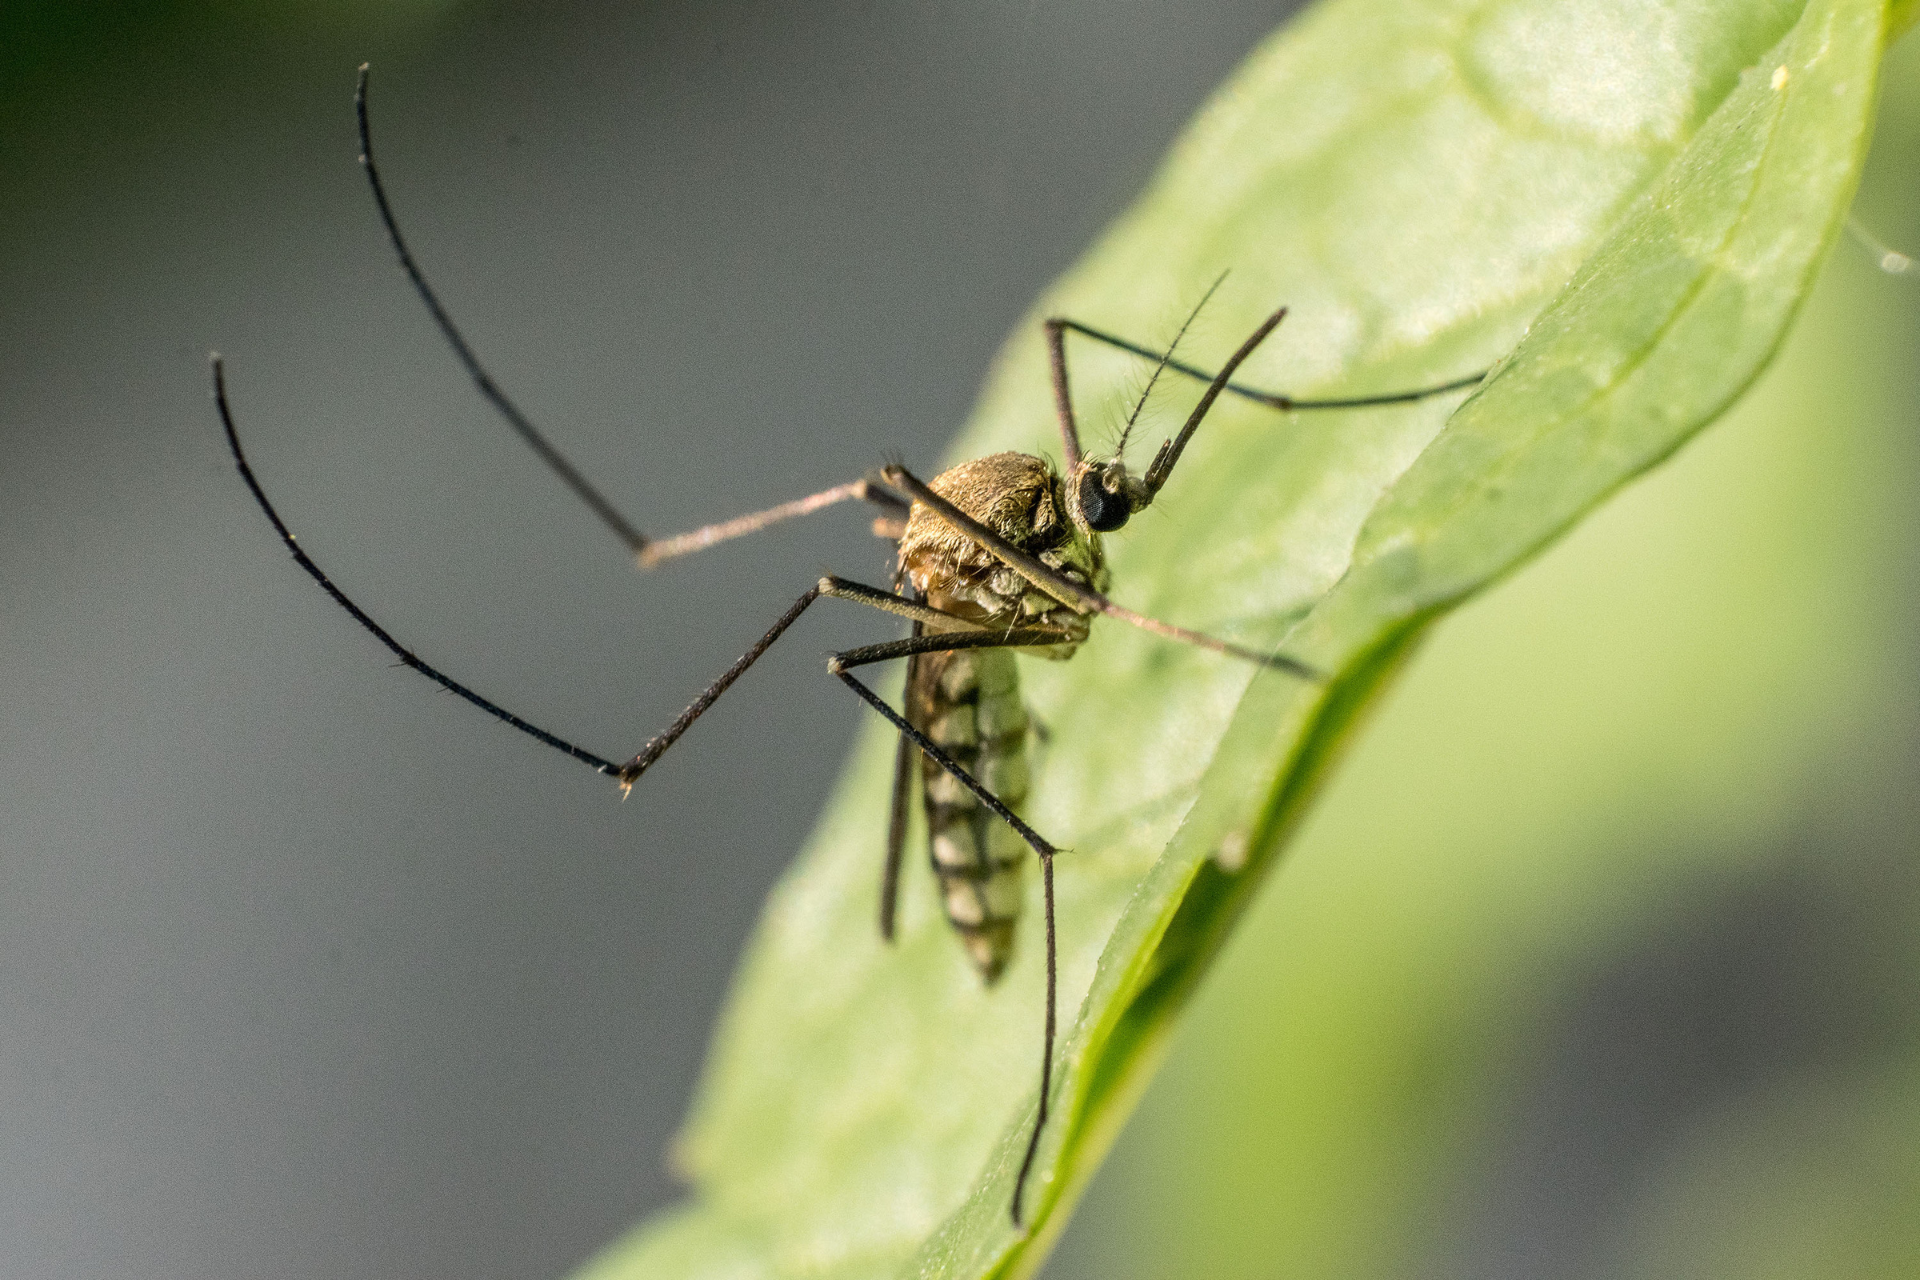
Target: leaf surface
{"points": [[1623, 205]]}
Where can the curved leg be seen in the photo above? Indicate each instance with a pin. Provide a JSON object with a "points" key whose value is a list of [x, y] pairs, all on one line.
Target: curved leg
{"points": [[839, 588], [648, 551]]}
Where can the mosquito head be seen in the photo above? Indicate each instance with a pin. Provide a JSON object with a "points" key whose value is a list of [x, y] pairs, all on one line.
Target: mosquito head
{"points": [[1102, 496]]}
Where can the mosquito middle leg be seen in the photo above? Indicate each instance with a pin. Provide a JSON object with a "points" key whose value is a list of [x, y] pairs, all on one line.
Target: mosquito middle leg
{"points": [[840, 665], [898, 810], [407, 657]]}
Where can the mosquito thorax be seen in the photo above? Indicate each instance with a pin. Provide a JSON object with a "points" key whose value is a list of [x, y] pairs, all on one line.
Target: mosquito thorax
{"points": [[1021, 498], [1102, 496]]}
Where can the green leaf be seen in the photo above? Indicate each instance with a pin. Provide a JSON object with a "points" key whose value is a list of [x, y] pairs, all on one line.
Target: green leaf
{"points": [[1623, 204]]}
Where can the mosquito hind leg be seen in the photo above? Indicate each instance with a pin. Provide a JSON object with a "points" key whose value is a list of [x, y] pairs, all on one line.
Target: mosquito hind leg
{"points": [[647, 551], [893, 512]]}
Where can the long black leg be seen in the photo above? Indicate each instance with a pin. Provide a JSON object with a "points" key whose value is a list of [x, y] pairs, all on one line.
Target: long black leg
{"points": [[556, 461], [1272, 399], [647, 551], [405, 655], [839, 588], [897, 817], [888, 650], [1062, 395], [839, 665]]}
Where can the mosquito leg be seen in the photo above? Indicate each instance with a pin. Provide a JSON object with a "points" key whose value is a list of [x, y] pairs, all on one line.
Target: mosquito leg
{"points": [[1270, 398], [1056, 329], [888, 650], [1062, 397], [708, 535], [627, 773], [359, 615], [897, 816], [647, 551], [1075, 595], [895, 603], [838, 588], [556, 462], [839, 665]]}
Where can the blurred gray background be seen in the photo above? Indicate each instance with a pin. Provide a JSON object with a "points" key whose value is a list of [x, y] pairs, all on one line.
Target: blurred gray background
{"points": [[311, 970]]}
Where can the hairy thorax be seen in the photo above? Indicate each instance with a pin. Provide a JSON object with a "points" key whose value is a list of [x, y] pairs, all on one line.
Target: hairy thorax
{"points": [[1019, 497]]}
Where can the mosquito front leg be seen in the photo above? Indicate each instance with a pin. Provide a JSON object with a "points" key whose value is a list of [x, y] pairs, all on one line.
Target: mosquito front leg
{"points": [[1077, 596], [1063, 397], [1272, 399]]}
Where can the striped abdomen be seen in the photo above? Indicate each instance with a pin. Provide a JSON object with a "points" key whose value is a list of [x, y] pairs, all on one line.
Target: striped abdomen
{"points": [[969, 704]]}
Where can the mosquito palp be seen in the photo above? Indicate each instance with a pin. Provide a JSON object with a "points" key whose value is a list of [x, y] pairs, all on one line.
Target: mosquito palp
{"points": [[995, 557]]}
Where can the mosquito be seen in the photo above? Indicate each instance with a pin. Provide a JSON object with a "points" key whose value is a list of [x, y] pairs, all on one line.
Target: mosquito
{"points": [[996, 557]]}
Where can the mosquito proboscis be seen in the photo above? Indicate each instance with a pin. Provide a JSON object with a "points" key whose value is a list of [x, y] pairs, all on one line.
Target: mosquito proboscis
{"points": [[996, 557]]}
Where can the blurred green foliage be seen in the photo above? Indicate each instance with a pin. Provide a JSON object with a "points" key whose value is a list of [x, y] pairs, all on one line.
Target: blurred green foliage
{"points": [[1432, 177]]}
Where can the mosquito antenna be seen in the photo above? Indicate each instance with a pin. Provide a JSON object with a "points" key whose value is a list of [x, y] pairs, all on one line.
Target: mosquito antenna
{"points": [[406, 656], [555, 460], [1161, 367]]}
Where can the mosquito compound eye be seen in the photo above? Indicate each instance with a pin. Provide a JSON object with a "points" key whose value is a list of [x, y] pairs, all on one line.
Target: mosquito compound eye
{"points": [[1104, 511]]}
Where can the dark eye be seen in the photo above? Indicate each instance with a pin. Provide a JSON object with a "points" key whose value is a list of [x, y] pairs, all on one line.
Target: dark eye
{"points": [[1104, 511]]}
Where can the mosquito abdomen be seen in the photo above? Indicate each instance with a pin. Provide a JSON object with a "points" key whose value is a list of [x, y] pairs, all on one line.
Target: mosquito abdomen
{"points": [[971, 700]]}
